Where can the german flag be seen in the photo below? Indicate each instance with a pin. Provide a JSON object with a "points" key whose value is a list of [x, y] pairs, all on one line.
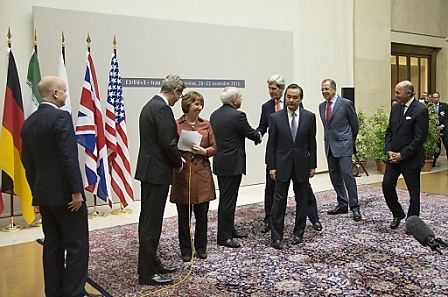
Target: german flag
{"points": [[13, 172]]}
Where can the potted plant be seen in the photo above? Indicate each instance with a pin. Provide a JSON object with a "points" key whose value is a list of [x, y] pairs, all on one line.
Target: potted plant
{"points": [[378, 125], [430, 146], [363, 141]]}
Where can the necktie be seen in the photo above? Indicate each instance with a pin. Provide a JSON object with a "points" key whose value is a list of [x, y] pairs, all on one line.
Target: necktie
{"points": [[328, 116], [293, 126], [402, 112], [278, 106]]}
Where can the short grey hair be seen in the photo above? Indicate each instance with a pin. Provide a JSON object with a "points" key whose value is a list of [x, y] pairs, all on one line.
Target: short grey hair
{"points": [[408, 86], [278, 80], [331, 81], [172, 82], [228, 94]]}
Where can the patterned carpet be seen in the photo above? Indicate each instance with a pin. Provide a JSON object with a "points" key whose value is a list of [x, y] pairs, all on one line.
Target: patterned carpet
{"points": [[345, 259]]}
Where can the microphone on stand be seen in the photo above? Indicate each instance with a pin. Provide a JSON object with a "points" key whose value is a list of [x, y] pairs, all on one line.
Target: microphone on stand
{"points": [[424, 234]]}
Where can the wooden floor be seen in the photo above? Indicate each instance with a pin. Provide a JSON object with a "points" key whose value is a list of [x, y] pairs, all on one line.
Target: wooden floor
{"points": [[21, 264]]}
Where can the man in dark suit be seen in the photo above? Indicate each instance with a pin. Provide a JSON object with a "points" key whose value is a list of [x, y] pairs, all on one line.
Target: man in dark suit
{"points": [[291, 156], [340, 131], [158, 155], [276, 86], [50, 158], [230, 127], [405, 135], [442, 113]]}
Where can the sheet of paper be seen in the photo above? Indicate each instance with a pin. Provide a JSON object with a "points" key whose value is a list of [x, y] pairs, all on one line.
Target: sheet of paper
{"points": [[187, 139]]}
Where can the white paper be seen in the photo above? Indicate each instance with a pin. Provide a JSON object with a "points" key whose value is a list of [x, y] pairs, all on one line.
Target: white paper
{"points": [[187, 139]]}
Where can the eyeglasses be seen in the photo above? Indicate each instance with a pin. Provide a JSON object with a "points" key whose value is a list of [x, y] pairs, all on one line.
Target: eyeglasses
{"points": [[180, 94]]}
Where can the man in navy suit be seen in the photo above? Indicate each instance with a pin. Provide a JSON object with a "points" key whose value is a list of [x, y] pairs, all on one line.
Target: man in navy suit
{"points": [[50, 158], [276, 86], [157, 157], [230, 127], [405, 135], [442, 114], [340, 131], [291, 156]]}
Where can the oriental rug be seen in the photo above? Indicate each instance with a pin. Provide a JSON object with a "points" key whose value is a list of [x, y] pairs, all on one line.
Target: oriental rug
{"points": [[346, 258]]}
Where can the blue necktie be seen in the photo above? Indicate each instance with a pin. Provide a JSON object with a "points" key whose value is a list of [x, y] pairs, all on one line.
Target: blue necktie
{"points": [[293, 126], [402, 112]]}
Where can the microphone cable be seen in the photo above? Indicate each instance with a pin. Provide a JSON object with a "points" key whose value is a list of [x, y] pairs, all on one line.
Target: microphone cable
{"points": [[191, 239]]}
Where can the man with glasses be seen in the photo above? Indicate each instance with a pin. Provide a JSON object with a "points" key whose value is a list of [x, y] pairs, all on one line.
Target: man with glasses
{"points": [[441, 110], [158, 155]]}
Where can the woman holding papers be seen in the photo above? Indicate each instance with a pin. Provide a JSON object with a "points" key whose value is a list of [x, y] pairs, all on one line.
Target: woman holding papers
{"points": [[193, 187]]}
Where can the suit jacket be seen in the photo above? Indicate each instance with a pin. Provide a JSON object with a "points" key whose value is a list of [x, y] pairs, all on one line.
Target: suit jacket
{"points": [[158, 153], [341, 132], [50, 156], [231, 128], [408, 133], [443, 115], [286, 155]]}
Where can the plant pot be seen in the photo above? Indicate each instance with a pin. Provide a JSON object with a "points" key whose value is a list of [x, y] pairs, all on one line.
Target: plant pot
{"points": [[428, 165], [378, 164], [382, 167]]}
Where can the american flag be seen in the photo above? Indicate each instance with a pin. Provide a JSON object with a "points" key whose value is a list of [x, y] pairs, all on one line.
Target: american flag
{"points": [[116, 137], [90, 134]]}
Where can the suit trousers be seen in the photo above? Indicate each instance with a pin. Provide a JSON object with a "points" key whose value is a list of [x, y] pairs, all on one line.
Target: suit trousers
{"points": [[200, 231], [443, 138], [341, 176], [228, 194], [279, 207], [153, 201], [65, 230], [412, 180]]}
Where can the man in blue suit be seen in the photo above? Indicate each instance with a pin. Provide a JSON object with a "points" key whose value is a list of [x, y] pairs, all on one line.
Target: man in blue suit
{"points": [[340, 131], [50, 158], [291, 152], [276, 86]]}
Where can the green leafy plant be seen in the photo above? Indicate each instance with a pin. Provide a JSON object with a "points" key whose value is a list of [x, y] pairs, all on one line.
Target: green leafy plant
{"points": [[430, 145], [378, 125], [363, 141]]}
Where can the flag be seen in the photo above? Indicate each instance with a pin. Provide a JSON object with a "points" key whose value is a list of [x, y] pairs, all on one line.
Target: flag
{"points": [[32, 101], [90, 134], [13, 172], [62, 73], [116, 137]]}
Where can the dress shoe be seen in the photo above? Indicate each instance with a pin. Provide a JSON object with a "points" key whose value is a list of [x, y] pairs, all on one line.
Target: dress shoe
{"points": [[396, 221], [317, 226], [87, 294], [296, 240], [357, 216], [202, 255], [229, 243], [266, 228], [166, 269], [238, 234], [186, 258], [338, 210], [154, 280], [277, 244]]}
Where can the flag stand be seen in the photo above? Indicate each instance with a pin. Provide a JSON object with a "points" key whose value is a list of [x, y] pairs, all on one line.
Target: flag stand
{"points": [[12, 227], [95, 214], [121, 211]]}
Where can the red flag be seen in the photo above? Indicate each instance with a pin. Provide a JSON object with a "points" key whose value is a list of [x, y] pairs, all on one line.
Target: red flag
{"points": [[13, 172]]}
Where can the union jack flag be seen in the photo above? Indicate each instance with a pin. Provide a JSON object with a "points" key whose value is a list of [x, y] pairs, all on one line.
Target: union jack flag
{"points": [[90, 134], [116, 137]]}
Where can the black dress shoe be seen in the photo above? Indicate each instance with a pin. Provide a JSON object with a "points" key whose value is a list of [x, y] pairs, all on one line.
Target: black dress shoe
{"points": [[238, 234], [357, 216], [338, 210], [317, 226], [296, 240], [266, 228], [277, 244], [396, 221], [154, 280], [166, 269], [229, 243]]}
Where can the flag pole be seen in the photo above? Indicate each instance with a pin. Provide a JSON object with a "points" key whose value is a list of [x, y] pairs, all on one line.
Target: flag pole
{"points": [[95, 214], [37, 222], [122, 210], [11, 227]]}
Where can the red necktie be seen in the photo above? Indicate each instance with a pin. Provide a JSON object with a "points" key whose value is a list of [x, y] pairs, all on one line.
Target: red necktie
{"points": [[328, 111], [278, 106]]}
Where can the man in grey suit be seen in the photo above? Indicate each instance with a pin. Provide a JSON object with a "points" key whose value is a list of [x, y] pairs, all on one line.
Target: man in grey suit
{"points": [[230, 127], [340, 130], [157, 156], [291, 154]]}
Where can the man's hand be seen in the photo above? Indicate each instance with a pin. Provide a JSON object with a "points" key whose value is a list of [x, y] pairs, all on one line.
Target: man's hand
{"points": [[273, 174], [394, 157], [76, 202], [312, 172]]}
